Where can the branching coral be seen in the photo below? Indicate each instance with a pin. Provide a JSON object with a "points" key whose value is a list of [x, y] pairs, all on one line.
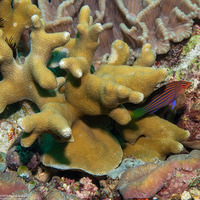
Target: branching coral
{"points": [[15, 18], [131, 21], [79, 142], [58, 15], [170, 21], [150, 138], [65, 19]]}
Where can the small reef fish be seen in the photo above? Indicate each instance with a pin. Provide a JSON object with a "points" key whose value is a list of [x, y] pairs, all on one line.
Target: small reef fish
{"points": [[161, 97]]}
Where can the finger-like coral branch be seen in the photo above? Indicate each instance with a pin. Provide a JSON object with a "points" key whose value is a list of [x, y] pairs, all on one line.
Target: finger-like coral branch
{"points": [[119, 53], [93, 95], [146, 58], [12, 76], [153, 137], [17, 18], [56, 119], [87, 38], [140, 71], [37, 64]]}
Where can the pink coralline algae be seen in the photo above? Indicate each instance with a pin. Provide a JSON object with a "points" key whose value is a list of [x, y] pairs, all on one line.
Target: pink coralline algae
{"points": [[164, 178], [10, 184], [83, 189]]}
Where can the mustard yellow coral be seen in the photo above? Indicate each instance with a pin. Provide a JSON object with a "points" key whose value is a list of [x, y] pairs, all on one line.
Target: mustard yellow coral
{"points": [[67, 116], [152, 138], [139, 77], [95, 150], [29, 80], [16, 17]]}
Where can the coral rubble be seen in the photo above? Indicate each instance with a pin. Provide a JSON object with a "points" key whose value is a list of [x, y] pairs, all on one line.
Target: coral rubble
{"points": [[190, 119], [9, 130], [84, 188]]}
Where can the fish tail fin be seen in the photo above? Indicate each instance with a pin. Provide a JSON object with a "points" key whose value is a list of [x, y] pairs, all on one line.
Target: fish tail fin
{"points": [[136, 114]]}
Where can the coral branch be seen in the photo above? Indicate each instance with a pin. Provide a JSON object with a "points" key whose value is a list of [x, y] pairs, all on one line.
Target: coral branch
{"points": [[54, 121], [119, 53], [44, 77], [87, 38], [17, 18], [95, 96], [152, 138]]}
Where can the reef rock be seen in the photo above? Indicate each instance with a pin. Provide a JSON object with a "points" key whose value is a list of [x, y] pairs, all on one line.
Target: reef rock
{"points": [[162, 178]]}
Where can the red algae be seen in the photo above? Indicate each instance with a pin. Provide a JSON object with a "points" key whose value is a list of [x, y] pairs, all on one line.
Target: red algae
{"points": [[84, 188]]}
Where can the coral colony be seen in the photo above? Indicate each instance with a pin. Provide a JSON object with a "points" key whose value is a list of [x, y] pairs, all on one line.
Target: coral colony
{"points": [[77, 81]]}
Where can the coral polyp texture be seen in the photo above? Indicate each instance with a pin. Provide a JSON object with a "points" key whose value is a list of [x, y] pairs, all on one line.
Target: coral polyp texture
{"points": [[170, 21], [15, 17], [77, 111]]}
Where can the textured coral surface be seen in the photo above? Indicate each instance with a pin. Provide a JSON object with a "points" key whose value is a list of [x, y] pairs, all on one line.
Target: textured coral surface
{"points": [[166, 178], [171, 20], [131, 21], [66, 102], [150, 138], [15, 18], [80, 87]]}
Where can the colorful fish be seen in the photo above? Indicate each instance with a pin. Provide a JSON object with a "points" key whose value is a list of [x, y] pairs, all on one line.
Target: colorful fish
{"points": [[161, 97]]}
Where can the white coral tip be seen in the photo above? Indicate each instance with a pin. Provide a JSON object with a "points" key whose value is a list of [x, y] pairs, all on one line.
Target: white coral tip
{"points": [[35, 18], [62, 64], [67, 132], [78, 73], [66, 35], [99, 27], [141, 97]]}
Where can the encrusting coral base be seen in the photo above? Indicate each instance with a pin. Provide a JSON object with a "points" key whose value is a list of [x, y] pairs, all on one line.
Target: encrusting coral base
{"points": [[166, 178]]}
